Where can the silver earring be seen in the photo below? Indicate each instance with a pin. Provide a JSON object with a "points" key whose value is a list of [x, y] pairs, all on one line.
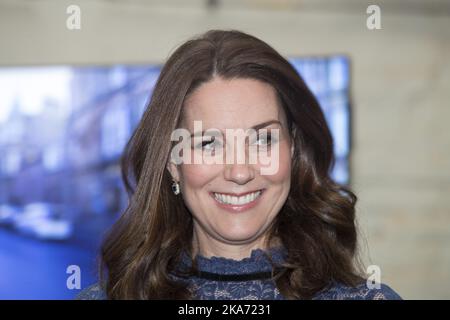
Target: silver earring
{"points": [[175, 188]]}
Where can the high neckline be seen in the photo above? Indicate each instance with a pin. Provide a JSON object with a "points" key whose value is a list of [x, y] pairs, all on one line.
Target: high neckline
{"points": [[255, 263]]}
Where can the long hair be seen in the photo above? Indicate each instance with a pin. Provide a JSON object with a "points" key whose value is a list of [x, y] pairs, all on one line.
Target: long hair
{"points": [[316, 225]]}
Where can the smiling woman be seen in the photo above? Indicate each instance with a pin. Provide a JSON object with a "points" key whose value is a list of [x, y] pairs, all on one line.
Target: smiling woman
{"points": [[226, 230], [216, 193]]}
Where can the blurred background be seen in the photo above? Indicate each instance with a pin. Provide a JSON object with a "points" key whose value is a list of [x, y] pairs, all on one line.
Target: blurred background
{"points": [[70, 99]]}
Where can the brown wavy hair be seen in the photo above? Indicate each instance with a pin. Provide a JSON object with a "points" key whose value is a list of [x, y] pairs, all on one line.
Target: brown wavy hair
{"points": [[316, 225]]}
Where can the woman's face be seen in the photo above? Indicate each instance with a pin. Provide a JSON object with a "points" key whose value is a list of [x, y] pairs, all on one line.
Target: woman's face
{"points": [[220, 219]]}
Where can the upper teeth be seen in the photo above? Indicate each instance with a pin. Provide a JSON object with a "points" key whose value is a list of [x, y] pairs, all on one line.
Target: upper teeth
{"points": [[237, 200]]}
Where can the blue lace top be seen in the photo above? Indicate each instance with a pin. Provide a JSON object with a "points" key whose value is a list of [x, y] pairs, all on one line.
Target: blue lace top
{"points": [[249, 279]]}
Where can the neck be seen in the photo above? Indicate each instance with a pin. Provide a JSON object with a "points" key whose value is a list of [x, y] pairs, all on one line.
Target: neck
{"points": [[208, 246]]}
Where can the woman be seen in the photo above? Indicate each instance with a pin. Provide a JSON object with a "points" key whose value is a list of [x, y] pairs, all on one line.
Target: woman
{"points": [[229, 230]]}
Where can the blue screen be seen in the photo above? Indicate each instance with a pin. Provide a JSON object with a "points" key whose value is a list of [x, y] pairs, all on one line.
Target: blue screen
{"points": [[62, 132]]}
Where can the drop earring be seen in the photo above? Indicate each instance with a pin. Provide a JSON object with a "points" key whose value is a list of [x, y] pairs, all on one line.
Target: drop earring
{"points": [[175, 188]]}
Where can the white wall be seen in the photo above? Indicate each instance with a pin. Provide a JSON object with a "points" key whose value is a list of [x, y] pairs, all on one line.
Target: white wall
{"points": [[400, 91]]}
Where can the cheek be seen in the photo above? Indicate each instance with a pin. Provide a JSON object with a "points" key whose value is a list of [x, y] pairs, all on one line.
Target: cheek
{"points": [[198, 176], [283, 174]]}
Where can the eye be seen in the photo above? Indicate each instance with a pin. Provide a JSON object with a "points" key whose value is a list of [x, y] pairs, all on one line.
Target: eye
{"points": [[266, 140], [209, 144]]}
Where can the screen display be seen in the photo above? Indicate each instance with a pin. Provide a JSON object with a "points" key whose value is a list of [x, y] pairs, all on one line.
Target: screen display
{"points": [[62, 131]]}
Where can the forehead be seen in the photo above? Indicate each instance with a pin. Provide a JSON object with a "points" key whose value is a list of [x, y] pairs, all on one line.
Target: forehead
{"points": [[236, 103]]}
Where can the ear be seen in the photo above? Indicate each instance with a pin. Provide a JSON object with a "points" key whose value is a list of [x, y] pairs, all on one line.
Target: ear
{"points": [[173, 170]]}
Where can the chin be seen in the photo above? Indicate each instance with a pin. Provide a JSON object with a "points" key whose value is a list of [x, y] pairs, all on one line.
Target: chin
{"points": [[240, 235]]}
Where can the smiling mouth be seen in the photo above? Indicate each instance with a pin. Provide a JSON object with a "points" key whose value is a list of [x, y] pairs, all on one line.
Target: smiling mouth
{"points": [[233, 200]]}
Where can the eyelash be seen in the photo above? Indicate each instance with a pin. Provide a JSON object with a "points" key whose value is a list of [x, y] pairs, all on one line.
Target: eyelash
{"points": [[269, 138], [202, 144]]}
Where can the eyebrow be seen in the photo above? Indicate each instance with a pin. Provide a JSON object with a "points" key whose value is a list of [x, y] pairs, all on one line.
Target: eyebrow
{"points": [[266, 124], [255, 127]]}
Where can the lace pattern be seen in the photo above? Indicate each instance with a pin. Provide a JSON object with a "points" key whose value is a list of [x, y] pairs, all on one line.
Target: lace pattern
{"points": [[204, 289]]}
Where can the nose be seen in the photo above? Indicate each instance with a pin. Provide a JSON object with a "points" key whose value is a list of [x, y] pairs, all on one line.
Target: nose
{"points": [[239, 173]]}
